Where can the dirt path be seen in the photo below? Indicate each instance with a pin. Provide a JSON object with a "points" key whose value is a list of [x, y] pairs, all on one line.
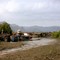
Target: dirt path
{"points": [[29, 45]]}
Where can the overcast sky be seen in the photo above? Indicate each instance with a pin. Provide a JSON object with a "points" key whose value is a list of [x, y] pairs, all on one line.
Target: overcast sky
{"points": [[30, 12]]}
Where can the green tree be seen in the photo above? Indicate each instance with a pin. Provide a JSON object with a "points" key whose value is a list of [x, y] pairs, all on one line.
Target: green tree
{"points": [[5, 27]]}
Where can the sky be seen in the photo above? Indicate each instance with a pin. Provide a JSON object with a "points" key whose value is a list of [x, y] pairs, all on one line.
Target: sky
{"points": [[30, 12]]}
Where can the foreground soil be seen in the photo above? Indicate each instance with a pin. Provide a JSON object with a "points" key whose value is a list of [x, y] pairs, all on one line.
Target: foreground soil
{"points": [[18, 46], [50, 52], [47, 52]]}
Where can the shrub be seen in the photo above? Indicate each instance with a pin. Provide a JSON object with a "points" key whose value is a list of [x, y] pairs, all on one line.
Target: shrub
{"points": [[56, 34]]}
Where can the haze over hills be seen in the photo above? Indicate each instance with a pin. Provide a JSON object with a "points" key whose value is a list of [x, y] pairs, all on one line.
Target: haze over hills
{"points": [[34, 28]]}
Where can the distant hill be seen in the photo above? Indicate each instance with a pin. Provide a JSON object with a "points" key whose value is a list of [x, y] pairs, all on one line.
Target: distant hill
{"points": [[34, 28], [15, 27]]}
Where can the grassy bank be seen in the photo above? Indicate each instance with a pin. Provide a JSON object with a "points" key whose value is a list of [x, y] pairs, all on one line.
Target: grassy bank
{"points": [[50, 52], [9, 45]]}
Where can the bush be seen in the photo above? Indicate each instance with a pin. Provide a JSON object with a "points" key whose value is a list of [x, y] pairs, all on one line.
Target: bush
{"points": [[56, 34]]}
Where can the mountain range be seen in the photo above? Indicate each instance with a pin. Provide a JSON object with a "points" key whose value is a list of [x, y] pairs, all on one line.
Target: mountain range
{"points": [[15, 27]]}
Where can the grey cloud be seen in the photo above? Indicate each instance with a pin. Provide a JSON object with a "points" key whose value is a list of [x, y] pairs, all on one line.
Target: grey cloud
{"points": [[26, 15]]}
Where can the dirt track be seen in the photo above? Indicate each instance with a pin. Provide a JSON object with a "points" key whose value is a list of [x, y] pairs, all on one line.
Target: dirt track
{"points": [[29, 45]]}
